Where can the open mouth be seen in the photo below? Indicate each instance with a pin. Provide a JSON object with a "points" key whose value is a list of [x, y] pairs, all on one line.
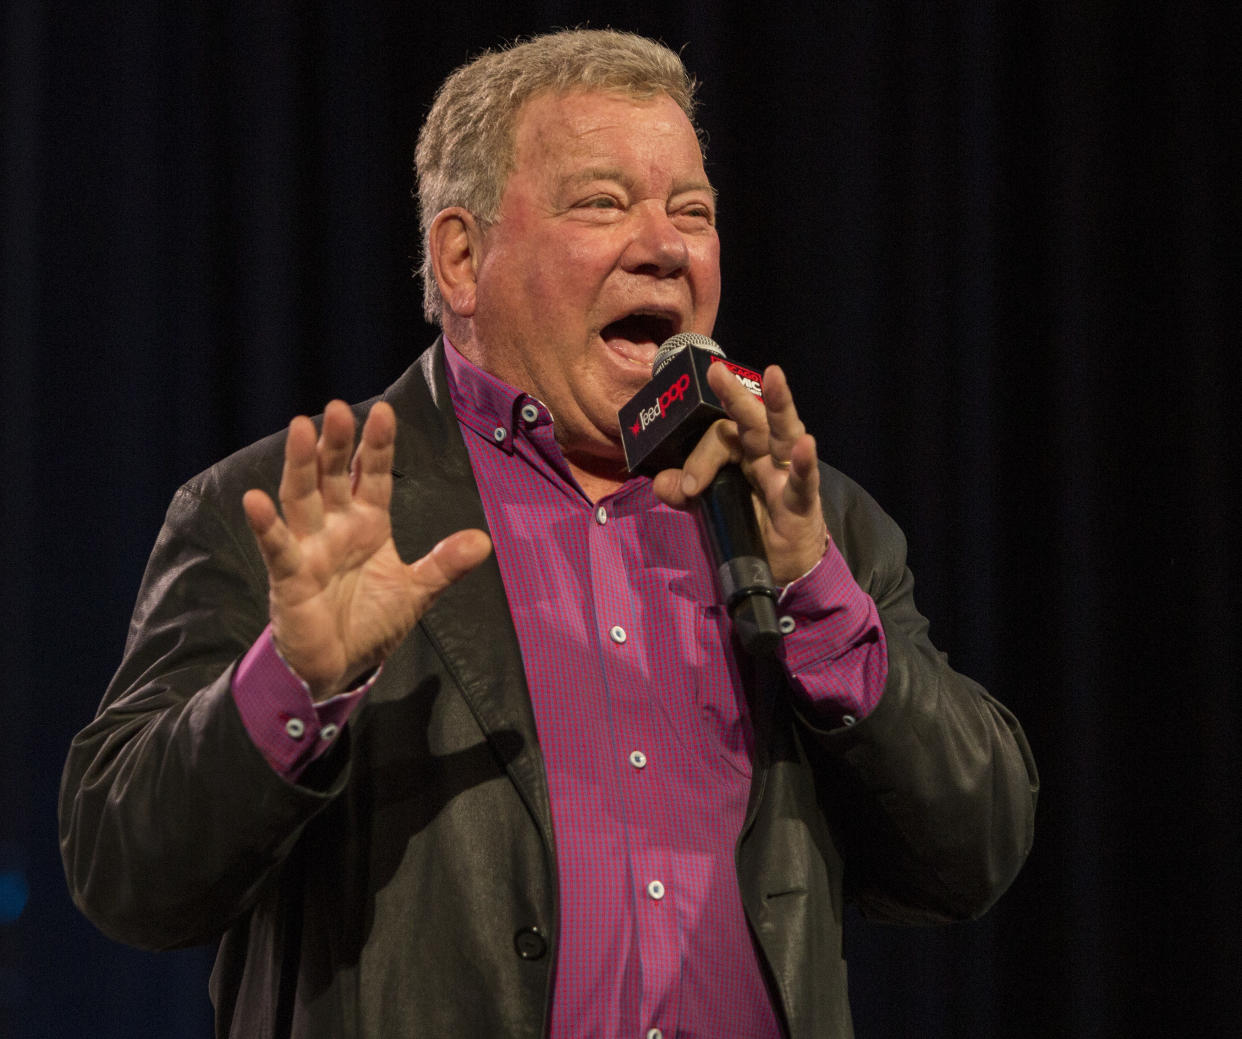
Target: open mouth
{"points": [[637, 335]]}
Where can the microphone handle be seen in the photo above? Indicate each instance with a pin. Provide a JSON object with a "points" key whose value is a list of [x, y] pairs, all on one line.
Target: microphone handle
{"points": [[742, 568]]}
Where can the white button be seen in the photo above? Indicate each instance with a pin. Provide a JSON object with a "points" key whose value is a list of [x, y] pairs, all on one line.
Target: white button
{"points": [[656, 890], [848, 719], [638, 759], [295, 728], [787, 624], [530, 413], [499, 433], [654, 1033], [617, 634], [601, 515], [328, 731]]}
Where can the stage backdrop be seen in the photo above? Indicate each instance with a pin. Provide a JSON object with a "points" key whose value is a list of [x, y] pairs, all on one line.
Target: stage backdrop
{"points": [[990, 242]]}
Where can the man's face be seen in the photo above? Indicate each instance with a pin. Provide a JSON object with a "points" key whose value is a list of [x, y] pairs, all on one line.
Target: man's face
{"points": [[605, 246]]}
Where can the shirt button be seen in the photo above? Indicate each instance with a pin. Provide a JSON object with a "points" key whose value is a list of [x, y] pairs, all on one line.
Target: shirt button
{"points": [[654, 1033], [328, 731], [786, 624], [295, 728], [656, 890], [530, 414], [499, 434], [601, 515], [617, 634], [638, 759]]}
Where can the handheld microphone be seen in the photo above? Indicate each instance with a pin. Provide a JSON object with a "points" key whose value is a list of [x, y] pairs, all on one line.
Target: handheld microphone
{"points": [[659, 427]]}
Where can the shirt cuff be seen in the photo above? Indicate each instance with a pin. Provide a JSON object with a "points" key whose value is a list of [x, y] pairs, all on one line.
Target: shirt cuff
{"points": [[287, 726], [834, 647]]}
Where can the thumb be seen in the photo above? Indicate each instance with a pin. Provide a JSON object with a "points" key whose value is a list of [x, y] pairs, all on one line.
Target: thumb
{"points": [[450, 560]]}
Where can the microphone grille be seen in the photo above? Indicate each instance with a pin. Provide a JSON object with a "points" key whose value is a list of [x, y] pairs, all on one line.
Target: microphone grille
{"points": [[675, 344]]}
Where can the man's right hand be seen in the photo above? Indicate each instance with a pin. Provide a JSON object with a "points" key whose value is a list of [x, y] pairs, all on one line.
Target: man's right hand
{"points": [[341, 599]]}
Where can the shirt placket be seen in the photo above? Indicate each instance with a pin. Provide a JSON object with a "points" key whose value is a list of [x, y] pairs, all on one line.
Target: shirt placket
{"points": [[640, 753]]}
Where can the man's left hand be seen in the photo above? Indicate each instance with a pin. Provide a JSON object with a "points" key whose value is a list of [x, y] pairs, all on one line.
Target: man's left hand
{"points": [[768, 440]]}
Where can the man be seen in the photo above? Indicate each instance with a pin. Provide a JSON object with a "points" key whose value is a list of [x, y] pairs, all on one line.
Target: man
{"points": [[538, 792]]}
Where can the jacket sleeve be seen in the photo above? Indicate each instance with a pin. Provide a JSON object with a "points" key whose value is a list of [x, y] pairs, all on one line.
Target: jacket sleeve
{"points": [[935, 790], [171, 820]]}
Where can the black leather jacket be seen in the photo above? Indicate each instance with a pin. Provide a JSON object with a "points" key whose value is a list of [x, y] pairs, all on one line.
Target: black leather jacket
{"points": [[407, 885]]}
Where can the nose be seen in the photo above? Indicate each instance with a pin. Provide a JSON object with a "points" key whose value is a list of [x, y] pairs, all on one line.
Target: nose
{"points": [[656, 247]]}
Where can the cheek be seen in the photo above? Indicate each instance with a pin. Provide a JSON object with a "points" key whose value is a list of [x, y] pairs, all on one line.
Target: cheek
{"points": [[566, 282], [563, 270], [706, 252], [705, 264], [586, 259]]}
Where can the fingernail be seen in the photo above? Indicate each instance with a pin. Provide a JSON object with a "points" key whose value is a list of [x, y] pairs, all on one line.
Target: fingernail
{"points": [[688, 484]]}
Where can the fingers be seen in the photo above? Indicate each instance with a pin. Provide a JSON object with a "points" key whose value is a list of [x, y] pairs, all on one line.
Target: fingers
{"points": [[717, 447], [372, 465], [318, 475], [802, 487], [318, 478], [336, 445], [277, 546], [767, 427], [785, 428], [316, 471], [744, 437], [299, 480], [744, 408], [768, 439]]}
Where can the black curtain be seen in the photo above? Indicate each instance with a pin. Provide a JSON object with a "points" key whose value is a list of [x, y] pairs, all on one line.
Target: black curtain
{"points": [[993, 244]]}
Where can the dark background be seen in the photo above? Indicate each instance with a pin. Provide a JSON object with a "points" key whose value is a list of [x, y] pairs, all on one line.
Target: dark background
{"points": [[991, 242]]}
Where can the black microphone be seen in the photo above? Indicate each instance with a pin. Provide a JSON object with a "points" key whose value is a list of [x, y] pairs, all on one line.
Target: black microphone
{"points": [[659, 427]]}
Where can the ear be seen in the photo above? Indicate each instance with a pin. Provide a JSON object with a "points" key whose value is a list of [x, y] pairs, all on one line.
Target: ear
{"points": [[453, 242]]}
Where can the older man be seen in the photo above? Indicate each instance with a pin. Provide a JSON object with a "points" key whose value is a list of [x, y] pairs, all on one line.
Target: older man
{"points": [[539, 793]]}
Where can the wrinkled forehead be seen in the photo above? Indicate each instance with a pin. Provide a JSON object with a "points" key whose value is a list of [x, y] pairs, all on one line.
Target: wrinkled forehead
{"points": [[557, 129]]}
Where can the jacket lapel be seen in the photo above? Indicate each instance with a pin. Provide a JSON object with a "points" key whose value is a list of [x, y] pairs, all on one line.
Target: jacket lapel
{"points": [[434, 494]]}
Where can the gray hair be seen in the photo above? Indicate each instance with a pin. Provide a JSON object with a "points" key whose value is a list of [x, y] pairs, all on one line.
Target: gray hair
{"points": [[465, 149]]}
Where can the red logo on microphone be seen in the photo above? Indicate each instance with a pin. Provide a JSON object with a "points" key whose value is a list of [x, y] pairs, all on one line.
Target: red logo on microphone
{"points": [[675, 392]]}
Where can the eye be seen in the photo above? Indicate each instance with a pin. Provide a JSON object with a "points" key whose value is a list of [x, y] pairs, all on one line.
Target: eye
{"points": [[695, 215], [600, 202]]}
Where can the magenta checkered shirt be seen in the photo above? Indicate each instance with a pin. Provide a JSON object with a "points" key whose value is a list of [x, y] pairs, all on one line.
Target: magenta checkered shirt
{"points": [[642, 723]]}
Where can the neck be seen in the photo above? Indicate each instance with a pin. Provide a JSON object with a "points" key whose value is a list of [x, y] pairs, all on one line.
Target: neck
{"points": [[598, 477]]}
